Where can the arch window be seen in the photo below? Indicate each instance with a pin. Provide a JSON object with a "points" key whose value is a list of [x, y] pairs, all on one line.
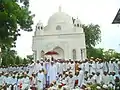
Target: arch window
{"points": [[42, 54], [58, 27], [41, 28], [74, 54], [38, 27], [78, 25]]}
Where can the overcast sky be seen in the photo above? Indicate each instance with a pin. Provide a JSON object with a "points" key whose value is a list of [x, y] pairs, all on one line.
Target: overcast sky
{"points": [[101, 12]]}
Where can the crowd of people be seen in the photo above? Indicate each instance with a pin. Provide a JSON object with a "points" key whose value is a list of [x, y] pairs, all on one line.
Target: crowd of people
{"points": [[51, 74]]}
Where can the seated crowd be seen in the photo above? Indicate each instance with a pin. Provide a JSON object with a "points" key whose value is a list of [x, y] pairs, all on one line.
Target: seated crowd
{"points": [[46, 74]]}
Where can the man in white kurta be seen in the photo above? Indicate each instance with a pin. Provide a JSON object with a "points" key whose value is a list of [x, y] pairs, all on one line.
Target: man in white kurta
{"points": [[40, 80], [81, 77], [111, 66], [37, 67], [52, 72], [72, 67], [98, 78], [31, 68], [105, 78], [26, 82]]}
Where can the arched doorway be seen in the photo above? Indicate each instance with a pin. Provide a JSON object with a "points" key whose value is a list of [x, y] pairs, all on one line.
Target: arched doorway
{"points": [[74, 54], [60, 52]]}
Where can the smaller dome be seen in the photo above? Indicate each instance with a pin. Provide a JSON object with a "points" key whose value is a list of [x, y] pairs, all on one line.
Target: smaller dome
{"points": [[39, 26], [77, 22]]}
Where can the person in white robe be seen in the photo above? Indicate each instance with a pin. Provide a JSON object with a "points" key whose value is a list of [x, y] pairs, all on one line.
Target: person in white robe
{"points": [[116, 67], [58, 67], [112, 78], [105, 78], [7, 81], [100, 67], [111, 66], [40, 80], [81, 77], [91, 79], [72, 67], [61, 67], [87, 67], [92, 67], [98, 78], [71, 81], [14, 83], [64, 66], [1, 79], [37, 67], [26, 82], [105, 66], [52, 73], [31, 68]]}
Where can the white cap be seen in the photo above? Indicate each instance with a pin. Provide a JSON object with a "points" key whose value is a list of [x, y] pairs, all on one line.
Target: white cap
{"points": [[118, 62], [105, 86], [110, 85], [88, 88], [98, 87], [66, 73]]}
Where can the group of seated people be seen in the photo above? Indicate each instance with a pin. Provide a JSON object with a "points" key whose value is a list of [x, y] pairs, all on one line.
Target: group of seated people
{"points": [[46, 74]]}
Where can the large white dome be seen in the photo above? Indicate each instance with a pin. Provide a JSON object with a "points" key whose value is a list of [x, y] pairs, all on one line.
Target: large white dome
{"points": [[60, 17]]}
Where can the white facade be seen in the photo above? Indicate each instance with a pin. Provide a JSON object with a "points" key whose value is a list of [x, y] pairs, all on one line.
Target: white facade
{"points": [[62, 35]]}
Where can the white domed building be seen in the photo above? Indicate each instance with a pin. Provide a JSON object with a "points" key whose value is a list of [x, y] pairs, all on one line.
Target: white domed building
{"points": [[63, 34]]}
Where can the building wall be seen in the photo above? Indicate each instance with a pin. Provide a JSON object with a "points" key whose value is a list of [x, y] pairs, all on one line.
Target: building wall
{"points": [[67, 42]]}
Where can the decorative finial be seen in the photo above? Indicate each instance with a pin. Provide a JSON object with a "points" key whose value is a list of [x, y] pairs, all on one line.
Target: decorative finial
{"points": [[60, 8]]}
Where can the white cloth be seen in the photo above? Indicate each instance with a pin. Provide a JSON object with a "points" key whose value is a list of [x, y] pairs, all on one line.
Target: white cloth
{"points": [[37, 67], [87, 66], [52, 73], [31, 68], [98, 79], [111, 67], [71, 82], [106, 79], [81, 78], [26, 83], [40, 81]]}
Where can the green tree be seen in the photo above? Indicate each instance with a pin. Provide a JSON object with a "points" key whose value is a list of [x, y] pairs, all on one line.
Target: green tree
{"points": [[25, 61], [18, 60], [111, 53], [96, 53], [8, 57], [30, 57], [92, 37], [14, 16]]}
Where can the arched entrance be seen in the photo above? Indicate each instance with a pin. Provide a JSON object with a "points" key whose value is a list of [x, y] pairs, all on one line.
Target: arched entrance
{"points": [[60, 52]]}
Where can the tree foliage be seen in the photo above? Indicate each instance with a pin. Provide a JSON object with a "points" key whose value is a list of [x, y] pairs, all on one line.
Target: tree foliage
{"points": [[92, 37], [104, 54], [14, 16]]}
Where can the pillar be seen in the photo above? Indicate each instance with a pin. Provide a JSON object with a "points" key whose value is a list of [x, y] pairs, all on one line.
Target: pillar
{"points": [[38, 55]]}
